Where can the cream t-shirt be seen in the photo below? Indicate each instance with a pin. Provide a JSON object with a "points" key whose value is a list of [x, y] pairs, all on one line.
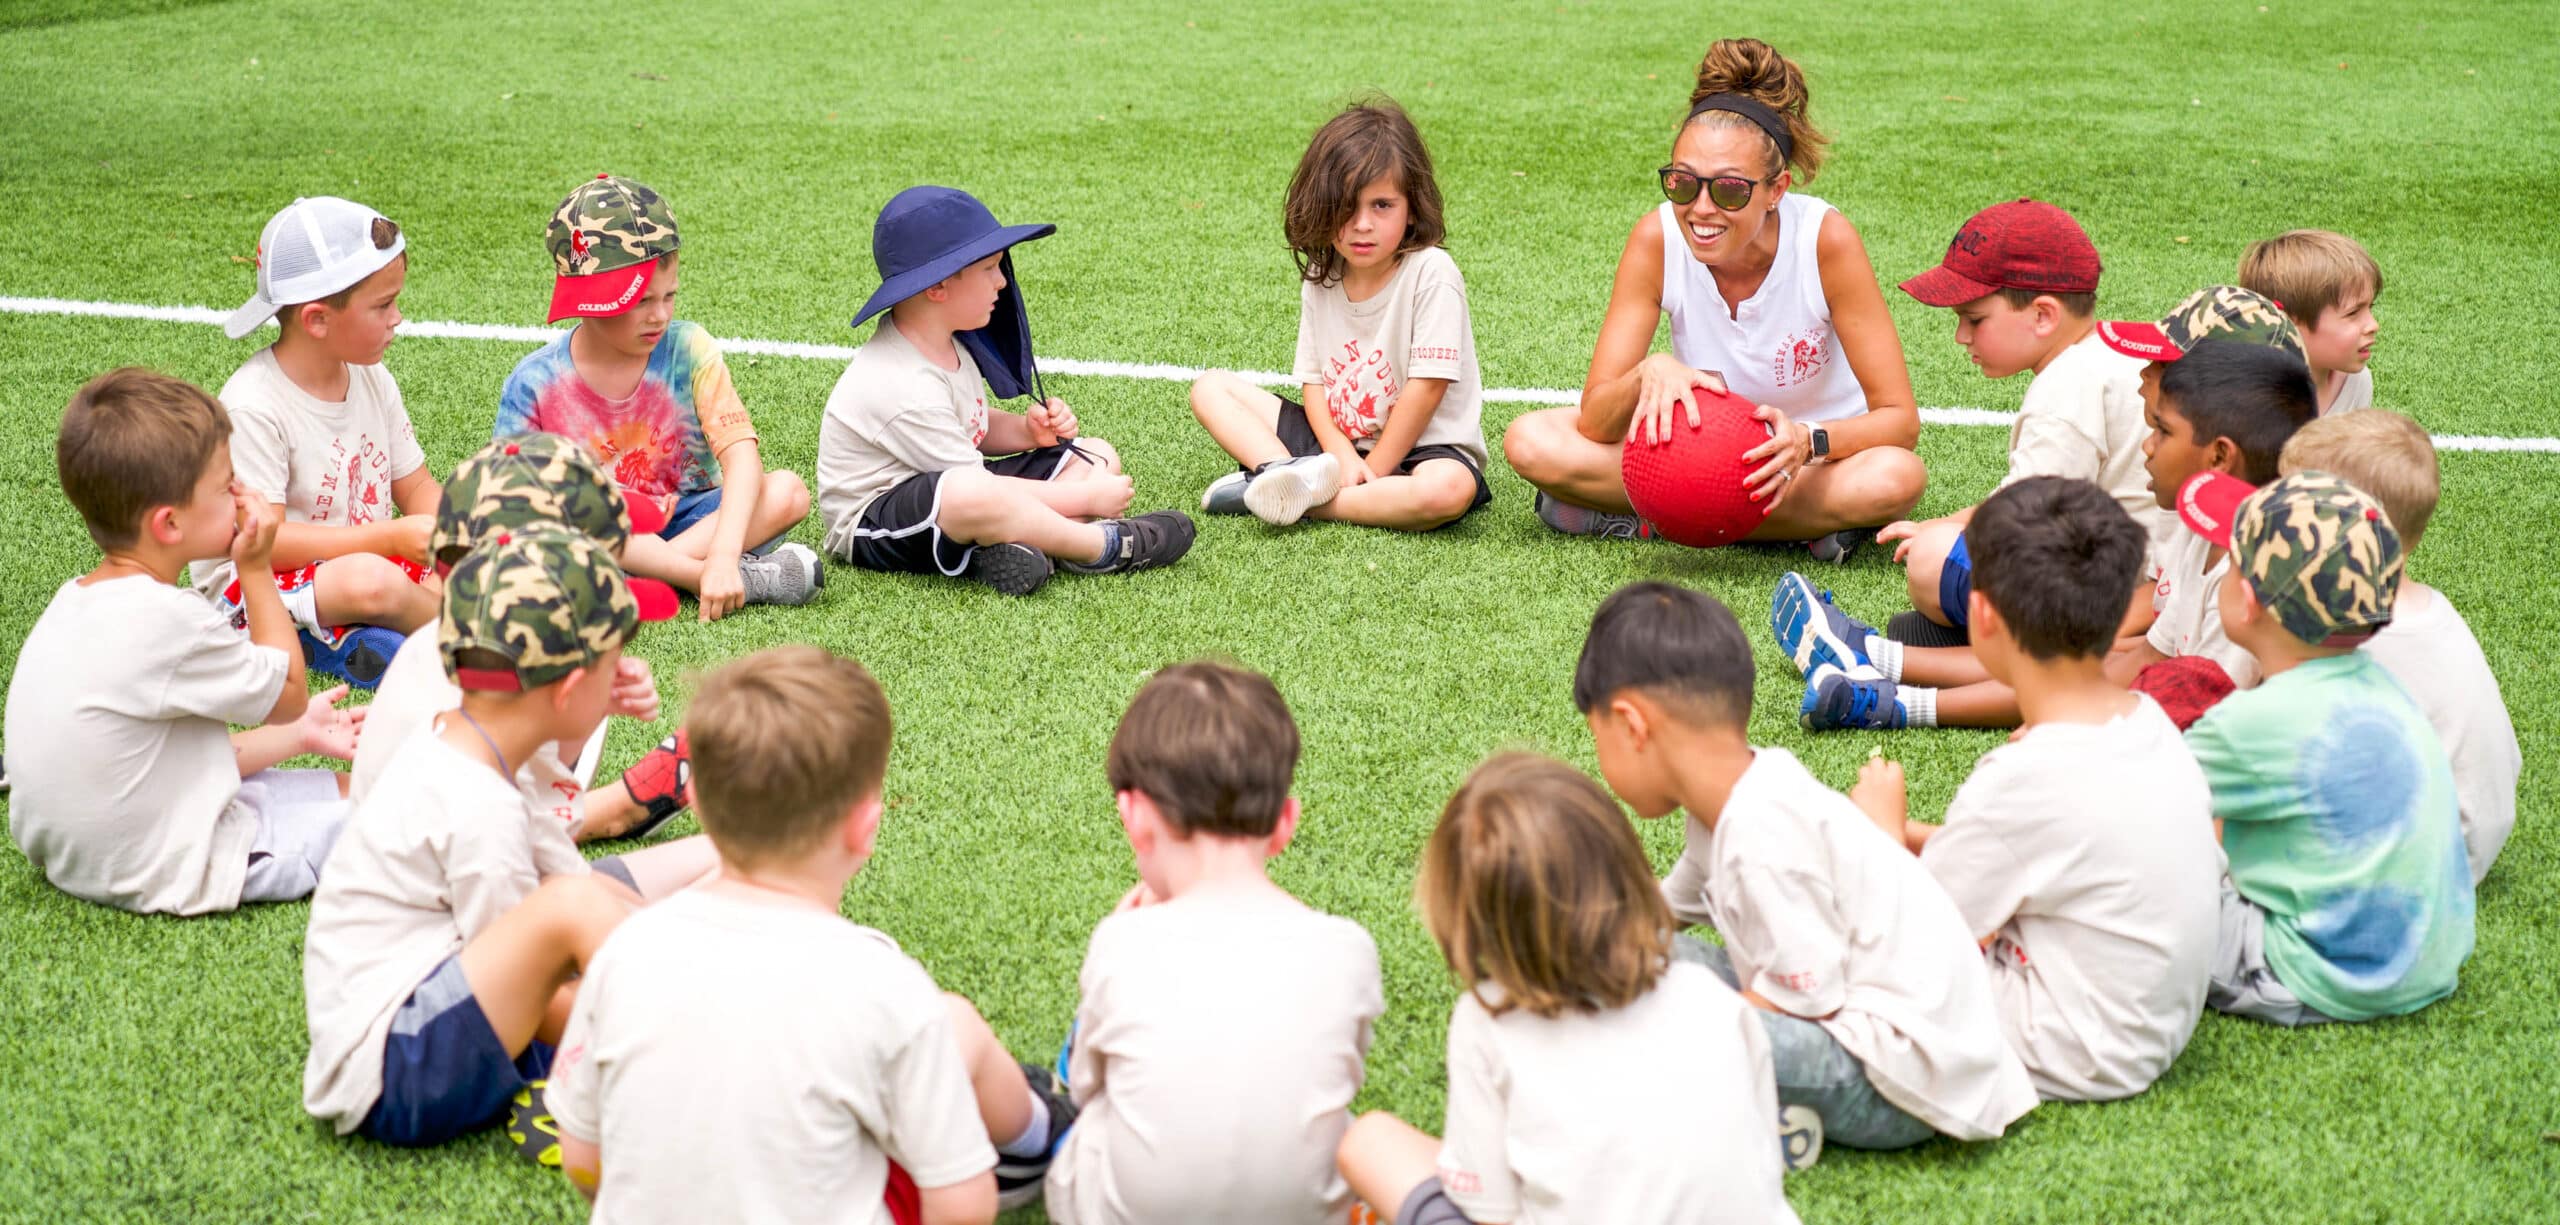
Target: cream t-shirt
{"points": [[1829, 919], [441, 848], [411, 693], [1664, 1110], [123, 783], [2086, 852], [1218, 1044], [2430, 650], [894, 413], [2187, 597], [742, 1060], [326, 464], [1363, 353], [2082, 419], [2356, 392]]}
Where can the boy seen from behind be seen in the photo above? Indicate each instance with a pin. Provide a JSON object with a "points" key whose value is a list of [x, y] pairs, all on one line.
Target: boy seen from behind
{"points": [[1224, 1025], [2428, 647], [2349, 893], [128, 787], [2081, 852]]}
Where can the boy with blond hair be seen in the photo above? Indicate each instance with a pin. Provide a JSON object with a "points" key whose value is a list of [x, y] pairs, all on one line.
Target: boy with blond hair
{"points": [[916, 475], [446, 932], [2349, 890], [849, 1088], [319, 429], [1878, 1008], [650, 397], [129, 788], [1223, 1024], [2080, 852], [2428, 647], [2327, 284]]}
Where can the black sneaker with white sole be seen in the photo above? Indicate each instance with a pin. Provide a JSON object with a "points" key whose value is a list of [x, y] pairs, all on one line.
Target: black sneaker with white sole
{"points": [[1013, 569], [1018, 1179], [1156, 538]]}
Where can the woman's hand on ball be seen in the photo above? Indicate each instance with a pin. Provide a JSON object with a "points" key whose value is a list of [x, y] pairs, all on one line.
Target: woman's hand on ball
{"points": [[1664, 385], [1788, 449]]}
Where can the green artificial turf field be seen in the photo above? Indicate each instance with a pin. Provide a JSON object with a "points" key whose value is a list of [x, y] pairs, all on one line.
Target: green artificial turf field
{"points": [[150, 1068]]}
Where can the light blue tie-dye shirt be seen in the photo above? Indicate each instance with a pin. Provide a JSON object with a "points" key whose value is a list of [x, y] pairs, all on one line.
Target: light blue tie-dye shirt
{"points": [[2341, 822]]}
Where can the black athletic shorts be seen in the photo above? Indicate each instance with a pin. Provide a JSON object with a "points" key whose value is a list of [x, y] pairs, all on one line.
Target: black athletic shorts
{"points": [[900, 531]]}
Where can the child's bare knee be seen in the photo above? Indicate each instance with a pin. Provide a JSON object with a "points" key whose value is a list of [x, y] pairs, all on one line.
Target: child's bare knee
{"points": [[787, 494], [1100, 455], [1213, 388], [1447, 494]]}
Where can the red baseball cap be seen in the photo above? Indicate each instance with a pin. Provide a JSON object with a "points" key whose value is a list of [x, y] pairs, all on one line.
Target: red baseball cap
{"points": [[2209, 502], [2020, 244]]}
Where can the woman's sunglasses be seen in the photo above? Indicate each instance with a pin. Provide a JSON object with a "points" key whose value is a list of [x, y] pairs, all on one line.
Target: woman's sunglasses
{"points": [[1729, 191]]}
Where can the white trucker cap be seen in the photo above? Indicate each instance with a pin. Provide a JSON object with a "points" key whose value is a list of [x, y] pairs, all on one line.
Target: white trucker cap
{"points": [[312, 248]]}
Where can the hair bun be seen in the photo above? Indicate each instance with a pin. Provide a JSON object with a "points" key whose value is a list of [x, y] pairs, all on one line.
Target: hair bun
{"points": [[1755, 70]]}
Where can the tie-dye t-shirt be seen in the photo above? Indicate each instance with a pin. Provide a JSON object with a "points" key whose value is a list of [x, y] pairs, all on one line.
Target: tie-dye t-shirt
{"points": [[2341, 822], [662, 440]]}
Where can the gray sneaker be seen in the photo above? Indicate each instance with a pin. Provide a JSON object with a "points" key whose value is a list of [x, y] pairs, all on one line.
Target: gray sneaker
{"points": [[1281, 493], [788, 575], [1225, 495]]}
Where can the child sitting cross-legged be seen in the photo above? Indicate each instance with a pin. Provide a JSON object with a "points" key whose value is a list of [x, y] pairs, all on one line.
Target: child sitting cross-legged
{"points": [[2081, 852], [446, 937], [741, 1052], [1592, 1076], [1223, 1024], [2349, 895], [129, 787], [1879, 1010]]}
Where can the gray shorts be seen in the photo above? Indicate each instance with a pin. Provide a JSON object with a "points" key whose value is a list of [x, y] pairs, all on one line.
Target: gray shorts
{"points": [[2244, 985], [299, 816], [1429, 1205], [1816, 1072]]}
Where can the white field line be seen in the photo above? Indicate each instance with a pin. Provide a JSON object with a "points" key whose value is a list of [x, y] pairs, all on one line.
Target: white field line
{"points": [[431, 329]]}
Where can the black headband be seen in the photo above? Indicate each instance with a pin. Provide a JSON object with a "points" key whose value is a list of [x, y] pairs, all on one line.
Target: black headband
{"points": [[1757, 112]]}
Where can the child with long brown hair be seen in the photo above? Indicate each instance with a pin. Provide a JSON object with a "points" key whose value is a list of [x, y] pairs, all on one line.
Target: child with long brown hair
{"points": [[1592, 1076], [1389, 431]]}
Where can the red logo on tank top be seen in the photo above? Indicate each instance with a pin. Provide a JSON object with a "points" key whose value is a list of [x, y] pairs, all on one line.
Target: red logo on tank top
{"points": [[1800, 357]]}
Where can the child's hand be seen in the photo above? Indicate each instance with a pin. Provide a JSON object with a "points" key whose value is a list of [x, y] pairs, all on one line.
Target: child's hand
{"points": [[723, 590], [1051, 423], [1109, 494], [635, 690], [409, 534], [1137, 896], [1900, 532], [253, 530], [1881, 793], [1355, 467], [1664, 384], [328, 729]]}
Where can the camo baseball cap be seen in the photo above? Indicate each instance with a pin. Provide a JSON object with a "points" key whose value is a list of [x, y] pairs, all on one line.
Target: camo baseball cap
{"points": [[518, 484], [2316, 551], [549, 601], [606, 240], [2219, 312]]}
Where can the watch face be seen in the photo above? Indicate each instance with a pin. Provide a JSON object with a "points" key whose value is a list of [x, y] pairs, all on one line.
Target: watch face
{"points": [[1821, 442]]}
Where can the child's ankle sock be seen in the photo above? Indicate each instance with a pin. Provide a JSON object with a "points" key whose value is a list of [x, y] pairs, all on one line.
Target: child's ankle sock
{"points": [[1110, 541], [1034, 1139], [1886, 655], [1919, 705]]}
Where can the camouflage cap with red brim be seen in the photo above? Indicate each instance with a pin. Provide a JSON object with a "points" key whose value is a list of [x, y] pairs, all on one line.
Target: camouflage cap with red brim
{"points": [[2219, 312], [2316, 552], [520, 483], [548, 601], [606, 240]]}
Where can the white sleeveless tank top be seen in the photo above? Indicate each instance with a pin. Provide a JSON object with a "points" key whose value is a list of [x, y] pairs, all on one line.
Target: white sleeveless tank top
{"points": [[1777, 348]]}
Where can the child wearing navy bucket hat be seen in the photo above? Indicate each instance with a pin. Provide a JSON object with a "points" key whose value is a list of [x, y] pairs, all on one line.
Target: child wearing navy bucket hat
{"points": [[916, 474]]}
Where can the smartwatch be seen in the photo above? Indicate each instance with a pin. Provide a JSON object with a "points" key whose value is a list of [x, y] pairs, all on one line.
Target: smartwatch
{"points": [[1821, 443]]}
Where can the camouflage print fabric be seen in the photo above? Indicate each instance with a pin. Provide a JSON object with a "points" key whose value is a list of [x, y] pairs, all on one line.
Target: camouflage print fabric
{"points": [[518, 483], [2228, 312], [609, 224], [549, 601], [2320, 555]]}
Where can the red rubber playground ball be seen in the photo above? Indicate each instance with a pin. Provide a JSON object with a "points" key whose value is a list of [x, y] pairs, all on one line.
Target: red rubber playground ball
{"points": [[1690, 488]]}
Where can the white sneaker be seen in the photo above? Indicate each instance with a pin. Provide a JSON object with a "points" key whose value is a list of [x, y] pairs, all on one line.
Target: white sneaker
{"points": [[1799, 1137], [1282, 493]]}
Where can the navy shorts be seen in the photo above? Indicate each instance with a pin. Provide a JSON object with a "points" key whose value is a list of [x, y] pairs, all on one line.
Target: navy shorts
{"points": [[901, 531], [1955, 584], [444, 1072], [1429, 1204], [1300, 438], [691, 508]]}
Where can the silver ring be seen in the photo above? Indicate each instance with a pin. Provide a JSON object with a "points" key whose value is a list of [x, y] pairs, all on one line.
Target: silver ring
{"points": [[1786, 474]]}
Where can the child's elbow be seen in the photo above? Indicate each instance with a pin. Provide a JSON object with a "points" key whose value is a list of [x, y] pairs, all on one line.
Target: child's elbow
{"points": [[290, 704], [963, 1203]]}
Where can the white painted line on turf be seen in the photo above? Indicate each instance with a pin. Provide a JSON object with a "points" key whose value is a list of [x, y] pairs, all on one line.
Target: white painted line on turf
{"points": [[431, 329]]}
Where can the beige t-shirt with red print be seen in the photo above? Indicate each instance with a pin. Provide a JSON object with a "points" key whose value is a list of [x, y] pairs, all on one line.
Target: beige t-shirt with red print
{"points": [[327, 464], [1365, 352]]}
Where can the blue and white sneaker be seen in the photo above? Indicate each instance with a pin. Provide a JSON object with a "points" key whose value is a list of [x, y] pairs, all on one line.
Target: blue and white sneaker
{"points": [[1837, 700], [1812, 630], [357, 654]]}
